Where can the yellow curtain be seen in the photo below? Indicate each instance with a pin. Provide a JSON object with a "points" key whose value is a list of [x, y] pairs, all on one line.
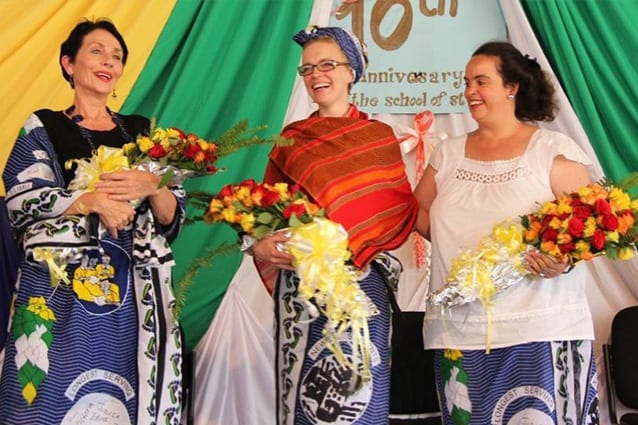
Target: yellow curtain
{"points": [[32, 31]]}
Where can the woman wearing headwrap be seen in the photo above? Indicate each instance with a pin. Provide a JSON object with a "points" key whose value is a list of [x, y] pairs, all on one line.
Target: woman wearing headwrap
{"points": [[351, 166]]}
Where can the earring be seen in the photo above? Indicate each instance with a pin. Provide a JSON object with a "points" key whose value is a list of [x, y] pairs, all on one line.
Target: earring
{"points": [[71, 82], [510, 96], [114, 95]]}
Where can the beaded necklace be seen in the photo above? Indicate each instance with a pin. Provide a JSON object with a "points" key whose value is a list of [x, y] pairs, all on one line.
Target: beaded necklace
{"points": [[86, 133]]}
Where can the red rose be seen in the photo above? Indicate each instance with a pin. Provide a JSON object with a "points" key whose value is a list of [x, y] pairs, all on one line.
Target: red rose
{"points": [[192, 150], [610, 222], [549, 235], [270, 198], [567, 248], [598, 240], [575, 200], [249, 183], [226, 191], [602, 207], [157, 152], [294, 189], [582, 211], [296, 209], [576, 227], [210, 157]]}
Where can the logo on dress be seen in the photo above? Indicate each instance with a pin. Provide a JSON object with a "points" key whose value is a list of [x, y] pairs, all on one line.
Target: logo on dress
{"points": [[529, 415], [327, 397], [98, 408], [326, 392], [101, 280]]}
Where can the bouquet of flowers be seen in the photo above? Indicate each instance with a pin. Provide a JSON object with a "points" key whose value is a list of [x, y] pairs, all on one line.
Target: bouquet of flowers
{"points": [[598, 219], [168, 152], [320, 253], [174, 151], [258, 209]]}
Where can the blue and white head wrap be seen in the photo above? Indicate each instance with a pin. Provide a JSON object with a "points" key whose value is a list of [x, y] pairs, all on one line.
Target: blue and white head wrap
{"points": [[347, 41]]}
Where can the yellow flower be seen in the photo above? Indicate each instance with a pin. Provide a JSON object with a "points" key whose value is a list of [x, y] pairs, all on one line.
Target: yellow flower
{"points": [[230, 215], [173, 133], [626, 253], [556, 223], [145, 143], [586, 194], [590, 227], [564, 205], [590, 193], [582, 246], [159, 134], [247, 222], [452, 354], [127, 148], [203, 144], [38, 305], [619, 200], [549, 208], [612, 236], [216, 205], [282, 190], [166, 143]]}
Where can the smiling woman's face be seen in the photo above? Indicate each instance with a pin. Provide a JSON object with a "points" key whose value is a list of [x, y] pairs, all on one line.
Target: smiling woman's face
{"points": [[330, 87], [98, 64], [485, 92]]}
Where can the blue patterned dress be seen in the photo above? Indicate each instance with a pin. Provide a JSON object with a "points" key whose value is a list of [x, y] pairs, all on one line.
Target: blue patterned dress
{"points": [[104, 346], [312, 388]]}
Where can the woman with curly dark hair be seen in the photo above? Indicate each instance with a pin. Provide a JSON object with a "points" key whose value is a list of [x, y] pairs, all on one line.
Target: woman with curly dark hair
{"points": [[538, 366]]}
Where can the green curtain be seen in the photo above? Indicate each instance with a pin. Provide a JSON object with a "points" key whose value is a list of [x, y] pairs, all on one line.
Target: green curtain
{"points": [[587, 43], [215, 63]]}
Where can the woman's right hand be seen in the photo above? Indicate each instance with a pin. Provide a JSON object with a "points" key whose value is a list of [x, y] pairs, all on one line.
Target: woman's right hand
{"points": [[114, 215], [271, 249]]}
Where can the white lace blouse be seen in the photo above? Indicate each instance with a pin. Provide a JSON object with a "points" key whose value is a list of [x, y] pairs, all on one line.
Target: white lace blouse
{"points": [[472, 196]]}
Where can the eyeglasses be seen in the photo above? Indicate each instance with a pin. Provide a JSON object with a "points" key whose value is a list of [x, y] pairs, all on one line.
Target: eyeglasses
{"points": [[323, 66]]}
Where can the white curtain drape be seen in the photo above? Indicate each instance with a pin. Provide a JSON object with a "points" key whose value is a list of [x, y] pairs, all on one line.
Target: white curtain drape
{"points": [[234, 361]]}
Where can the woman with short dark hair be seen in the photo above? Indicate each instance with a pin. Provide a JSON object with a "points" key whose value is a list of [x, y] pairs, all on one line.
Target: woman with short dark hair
{"points": [[93, 338]]}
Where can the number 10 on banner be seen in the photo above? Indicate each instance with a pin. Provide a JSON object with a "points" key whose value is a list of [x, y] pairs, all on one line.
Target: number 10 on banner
{"points": [[380, 9]]}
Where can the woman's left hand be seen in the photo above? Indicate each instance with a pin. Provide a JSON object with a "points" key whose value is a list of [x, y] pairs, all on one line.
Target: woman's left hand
{"points": [[544, 265], [128, 185]]}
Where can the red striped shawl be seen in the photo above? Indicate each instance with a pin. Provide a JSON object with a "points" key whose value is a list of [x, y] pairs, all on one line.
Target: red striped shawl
{"points": [[353, 168]]}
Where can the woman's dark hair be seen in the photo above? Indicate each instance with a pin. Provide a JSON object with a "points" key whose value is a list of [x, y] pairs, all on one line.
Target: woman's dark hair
{"points": [[72, 44], [535, 97]]}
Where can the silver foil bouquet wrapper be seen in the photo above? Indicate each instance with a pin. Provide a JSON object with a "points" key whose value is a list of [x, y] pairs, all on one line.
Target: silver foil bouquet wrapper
{"points": [[169, 174], [480, 279]]}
